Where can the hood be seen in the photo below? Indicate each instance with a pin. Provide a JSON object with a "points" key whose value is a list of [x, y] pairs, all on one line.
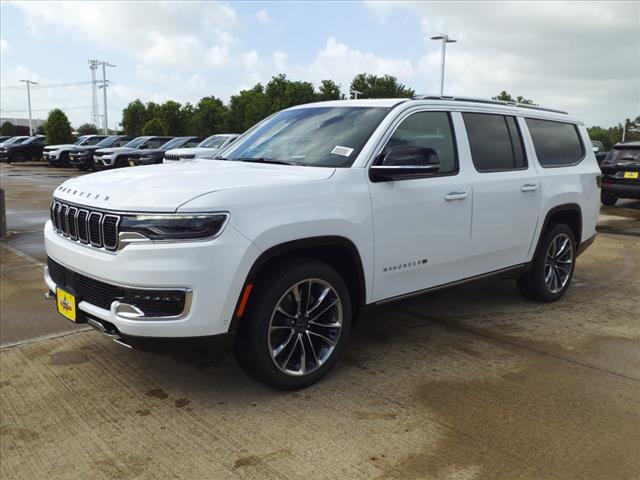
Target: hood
{"points": [[109, 151], [164, 187], [186, 151], [65, 146]]}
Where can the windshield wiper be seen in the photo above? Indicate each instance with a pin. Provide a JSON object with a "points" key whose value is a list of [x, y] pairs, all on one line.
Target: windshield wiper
{"points": [[262, 160]]}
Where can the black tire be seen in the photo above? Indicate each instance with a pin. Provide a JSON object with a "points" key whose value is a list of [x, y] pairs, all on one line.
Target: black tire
{"points": [[533, 283], [608, 199], [121, 162], [253, 343]]}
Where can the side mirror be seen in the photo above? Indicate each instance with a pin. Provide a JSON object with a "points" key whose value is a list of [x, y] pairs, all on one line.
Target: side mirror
{"points": [[405, 163], [596, 149]]}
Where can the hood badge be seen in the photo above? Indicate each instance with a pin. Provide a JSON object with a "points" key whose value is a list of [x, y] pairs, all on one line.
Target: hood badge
{"points": [[89, 195]]}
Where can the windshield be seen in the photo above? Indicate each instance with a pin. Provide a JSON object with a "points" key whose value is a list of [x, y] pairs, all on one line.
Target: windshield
{"points": [[92, 141], [15, 140], [623, 153], [81, 140], [136, 142], [174, 143], [214, 141], [107, 142], [322, 136]]}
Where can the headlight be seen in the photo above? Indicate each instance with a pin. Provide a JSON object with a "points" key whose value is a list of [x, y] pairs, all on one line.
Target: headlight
{"points": [[175, 227]]}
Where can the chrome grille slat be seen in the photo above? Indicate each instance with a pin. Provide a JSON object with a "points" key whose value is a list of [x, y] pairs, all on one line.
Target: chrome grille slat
{"points": [[85, 225], [95, 229], [72, 225]]}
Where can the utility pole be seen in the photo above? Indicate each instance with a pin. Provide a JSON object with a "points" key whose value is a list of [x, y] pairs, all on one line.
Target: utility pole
{"points": [[444, 38], [355, 94], [29, 83], [105, 64], [93, 66]]}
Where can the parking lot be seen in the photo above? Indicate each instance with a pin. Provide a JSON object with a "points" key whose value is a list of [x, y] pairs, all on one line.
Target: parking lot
{"points": [[471, 383]]}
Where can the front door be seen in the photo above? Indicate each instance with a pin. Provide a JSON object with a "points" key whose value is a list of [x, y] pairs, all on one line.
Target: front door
{"points": [[422, 227]]}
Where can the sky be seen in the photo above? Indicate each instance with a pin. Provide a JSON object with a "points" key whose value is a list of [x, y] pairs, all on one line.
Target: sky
{"points": [[582, 57]]}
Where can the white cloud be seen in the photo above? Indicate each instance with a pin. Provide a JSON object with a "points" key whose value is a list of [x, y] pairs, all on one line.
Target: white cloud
{"points": [[264, 17], [580, 56], [190, 35], [5, 49]]}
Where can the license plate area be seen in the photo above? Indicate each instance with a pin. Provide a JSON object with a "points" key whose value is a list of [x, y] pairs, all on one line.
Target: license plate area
{"points": [[631, 175], [67, 305]]}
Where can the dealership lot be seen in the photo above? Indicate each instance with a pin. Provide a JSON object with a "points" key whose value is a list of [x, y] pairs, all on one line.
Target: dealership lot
{"points": [[476, 382]]}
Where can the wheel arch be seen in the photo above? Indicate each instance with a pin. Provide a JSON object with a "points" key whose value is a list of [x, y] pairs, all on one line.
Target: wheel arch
{"points": [[567, 213], [337, 251]]}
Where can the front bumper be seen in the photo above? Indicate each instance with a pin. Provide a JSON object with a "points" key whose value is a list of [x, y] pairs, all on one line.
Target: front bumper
{"points": [[79, 159], [4, 156], [49, 157], [212, 271]]}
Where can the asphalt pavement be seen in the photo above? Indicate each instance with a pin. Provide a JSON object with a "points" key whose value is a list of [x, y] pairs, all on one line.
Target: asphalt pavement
{"points": [[471, 383]]}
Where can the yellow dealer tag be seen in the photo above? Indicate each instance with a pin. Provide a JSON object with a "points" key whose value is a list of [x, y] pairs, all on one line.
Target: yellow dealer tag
{"points": [[66, 304]]}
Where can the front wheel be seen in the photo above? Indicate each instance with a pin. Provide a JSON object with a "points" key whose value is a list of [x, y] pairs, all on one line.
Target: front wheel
{"points": [[297, 325], [553, 266]]}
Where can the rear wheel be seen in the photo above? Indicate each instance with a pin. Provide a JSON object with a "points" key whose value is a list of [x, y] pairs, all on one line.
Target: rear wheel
{"points": [[297, 324], [552, 270], [608, 199]]}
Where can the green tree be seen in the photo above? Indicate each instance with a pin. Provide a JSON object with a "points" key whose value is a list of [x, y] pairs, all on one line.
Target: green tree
{"points": [[612, 135], [58, 128], [171, 115], [506, 97], [386, 86], [283, 93], [7, 129], [328, 90], [87, 129], [40, 130], [155, 126], [209, 117], [247, 108], [134, 117]]}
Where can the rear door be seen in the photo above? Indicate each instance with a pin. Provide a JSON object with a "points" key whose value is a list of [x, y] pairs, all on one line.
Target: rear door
{"points": [[506, 192]]}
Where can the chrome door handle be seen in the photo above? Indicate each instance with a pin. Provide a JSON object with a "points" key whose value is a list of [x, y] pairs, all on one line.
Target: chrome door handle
{"points": [[529, 187], [455, 196]]}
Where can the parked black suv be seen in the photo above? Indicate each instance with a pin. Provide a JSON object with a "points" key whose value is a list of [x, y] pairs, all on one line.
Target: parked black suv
{"points": [[23, 150], [151, 156], [621, 173], [599, 151], [83, 157]]}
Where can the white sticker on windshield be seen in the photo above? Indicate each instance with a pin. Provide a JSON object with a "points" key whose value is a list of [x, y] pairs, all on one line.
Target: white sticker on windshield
{"points": [[344, 151]]}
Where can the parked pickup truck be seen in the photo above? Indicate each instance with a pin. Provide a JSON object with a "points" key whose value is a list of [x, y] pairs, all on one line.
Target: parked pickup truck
{"points": [[152, 156], [317, 212]]}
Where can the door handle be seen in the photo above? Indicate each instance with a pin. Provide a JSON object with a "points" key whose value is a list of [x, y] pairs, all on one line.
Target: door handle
{"points": [[455, 196], [529, 187]]}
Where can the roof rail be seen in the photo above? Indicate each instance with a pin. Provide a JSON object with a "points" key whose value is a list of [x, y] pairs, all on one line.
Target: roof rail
{"points": [[486, 101]]}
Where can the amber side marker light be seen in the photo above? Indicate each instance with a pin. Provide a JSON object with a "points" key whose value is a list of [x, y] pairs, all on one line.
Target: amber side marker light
{"points": [[244, 300]]}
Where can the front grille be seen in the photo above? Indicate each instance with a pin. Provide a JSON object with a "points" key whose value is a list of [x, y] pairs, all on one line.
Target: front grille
{"points": [[87, 226], [154, 303], [171, 156]]}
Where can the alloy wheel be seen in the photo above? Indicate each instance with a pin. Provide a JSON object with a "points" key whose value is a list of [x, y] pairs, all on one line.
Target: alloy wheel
{"points": [[305, 327], [558, 263]]}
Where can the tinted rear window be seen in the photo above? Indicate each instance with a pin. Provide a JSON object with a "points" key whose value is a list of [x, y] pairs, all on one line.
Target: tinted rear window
{"points": [[556, 143], [495, 142], [623, 153]]}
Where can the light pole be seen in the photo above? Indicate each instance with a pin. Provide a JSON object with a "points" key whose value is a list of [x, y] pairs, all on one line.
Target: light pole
{"points": [[444, 38], [355, 94], [29, 83], [105, 64]]}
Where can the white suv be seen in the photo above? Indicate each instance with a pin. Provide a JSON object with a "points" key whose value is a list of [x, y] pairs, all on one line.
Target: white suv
{"points": [[320, 210]]}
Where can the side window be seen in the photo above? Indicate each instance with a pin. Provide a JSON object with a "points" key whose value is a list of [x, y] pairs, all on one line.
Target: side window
{"points": [[156, 142], [556, 143], [495, 141], [428, 130]]}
